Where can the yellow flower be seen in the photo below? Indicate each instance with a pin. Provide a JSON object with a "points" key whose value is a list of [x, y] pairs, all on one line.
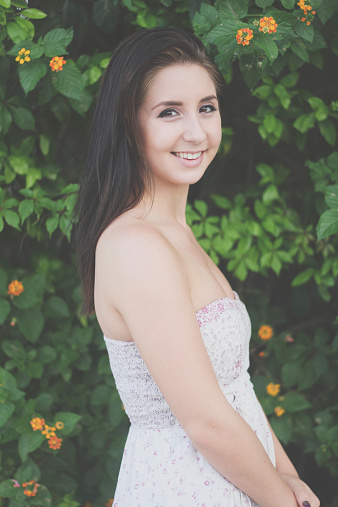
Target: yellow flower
{"points": [[15, 288], [242, 38], [267, 25], [37, 423], [23, 56], [54, 442], [265, 332], [57, 63], [273, 389], [279, 411], [49, 431], [59, 425]]}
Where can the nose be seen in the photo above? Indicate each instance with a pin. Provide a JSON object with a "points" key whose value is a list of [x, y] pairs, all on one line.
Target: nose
{"points": [[193, 131]]}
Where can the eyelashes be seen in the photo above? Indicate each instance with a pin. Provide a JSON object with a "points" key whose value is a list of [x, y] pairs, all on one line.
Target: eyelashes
{"points": [[171, 113]]}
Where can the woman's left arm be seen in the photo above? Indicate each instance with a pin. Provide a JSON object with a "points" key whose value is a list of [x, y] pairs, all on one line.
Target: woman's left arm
{"points": [[304, 495]]}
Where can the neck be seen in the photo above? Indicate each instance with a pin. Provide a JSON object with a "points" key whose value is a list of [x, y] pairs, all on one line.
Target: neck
{"points": [[168, 205]]}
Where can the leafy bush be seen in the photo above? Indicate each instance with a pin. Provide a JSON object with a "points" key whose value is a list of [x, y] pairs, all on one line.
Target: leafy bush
{"points": [[266, 213]]}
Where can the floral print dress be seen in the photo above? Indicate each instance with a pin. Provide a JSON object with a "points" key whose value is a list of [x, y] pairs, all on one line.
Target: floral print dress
{"points": [[160, 465]]}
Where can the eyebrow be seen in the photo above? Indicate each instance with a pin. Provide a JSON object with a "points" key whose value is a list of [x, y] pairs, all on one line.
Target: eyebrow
{"points": [[169, 103]]}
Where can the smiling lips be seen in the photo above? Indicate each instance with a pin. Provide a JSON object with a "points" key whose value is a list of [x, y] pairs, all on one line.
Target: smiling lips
{"points": [[188, 156]]}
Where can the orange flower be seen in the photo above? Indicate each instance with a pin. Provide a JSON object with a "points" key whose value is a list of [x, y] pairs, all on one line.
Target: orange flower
{"points": [[30, 491], [59, 425], [15, 288], [57, 63], [49, 431], [265, 332], [37, 423], [288, 339], [267, 25], [303, 19], [273, 389], [242, 38], [54, 442], [261, 354], [308, 22], [279, 411], [110, 502]]}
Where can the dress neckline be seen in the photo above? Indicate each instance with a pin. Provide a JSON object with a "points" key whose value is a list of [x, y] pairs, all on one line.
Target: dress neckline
{"points": [[203, 316]]}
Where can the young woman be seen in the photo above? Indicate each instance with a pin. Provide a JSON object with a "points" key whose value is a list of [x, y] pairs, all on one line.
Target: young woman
{"points": [[176, 333]]}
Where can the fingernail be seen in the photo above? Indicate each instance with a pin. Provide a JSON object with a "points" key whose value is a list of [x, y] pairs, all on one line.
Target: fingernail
{"points": [[306, 504]]}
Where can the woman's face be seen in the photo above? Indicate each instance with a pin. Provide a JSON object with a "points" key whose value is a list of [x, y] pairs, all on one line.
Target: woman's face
{"points": [[180, 124]]}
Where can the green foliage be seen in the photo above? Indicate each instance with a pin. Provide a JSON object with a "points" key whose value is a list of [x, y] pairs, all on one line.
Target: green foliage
{"points": [[269, 221]]}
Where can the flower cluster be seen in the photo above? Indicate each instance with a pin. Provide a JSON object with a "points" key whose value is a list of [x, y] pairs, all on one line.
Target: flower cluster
{"points": [[54, 442], [279, 411], [308, 12], [15, 288], [57, 63], [244, 36], [23, 56], [267, 25], [273, 389], [265, 332], [31, 488]]}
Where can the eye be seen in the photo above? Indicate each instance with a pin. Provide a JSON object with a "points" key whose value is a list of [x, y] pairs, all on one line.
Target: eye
{"points": [[207, 108], [168, 113]]}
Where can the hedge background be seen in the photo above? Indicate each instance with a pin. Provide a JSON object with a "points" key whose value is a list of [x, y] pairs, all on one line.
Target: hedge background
{"points": [[266, 211]]}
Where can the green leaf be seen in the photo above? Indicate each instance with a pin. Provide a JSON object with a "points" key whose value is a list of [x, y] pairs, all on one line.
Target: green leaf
{"points": [[68, 81], [52, 224], [304, 122], [5, 119], [331, 197], [302, 277], [5, 308], [283, 427], [33, 13], [201, 207], [328, 224], [328, 131], [268, 45], [3, 19], [56, 307], [326, 10], [7, 489], [29, 442], [269, 123], [57, 40], [5, 3], [26, 25], [82, 103], [47, 354], [290, 80], [69, 419], [249, 69], [299, 48], [288, 4], [30, 322], [221, 202], [12, 218], [16, 32], [94, 74], [304, 31], [270, 194], [30, 74], [295, 402], [6, 411], [283, 95], [23, 118], [234, 9], [264, 3], [3, 283], [290, 374], [26, 208]]}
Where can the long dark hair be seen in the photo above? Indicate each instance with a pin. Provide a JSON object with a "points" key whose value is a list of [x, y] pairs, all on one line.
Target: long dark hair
{"points": [[116, 171]]}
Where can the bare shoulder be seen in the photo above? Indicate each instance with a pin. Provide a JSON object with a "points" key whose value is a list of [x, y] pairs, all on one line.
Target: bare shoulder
{"points": [[133, 241]]}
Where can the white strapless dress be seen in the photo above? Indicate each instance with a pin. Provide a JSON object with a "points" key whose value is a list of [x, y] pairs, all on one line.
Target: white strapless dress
{"points": [[160, 465]]}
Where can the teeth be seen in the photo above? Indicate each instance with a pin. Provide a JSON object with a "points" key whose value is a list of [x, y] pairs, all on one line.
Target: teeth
{"points": [[189, 156]]}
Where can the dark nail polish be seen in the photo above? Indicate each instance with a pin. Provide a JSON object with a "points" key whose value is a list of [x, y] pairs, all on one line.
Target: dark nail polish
{"points": [[306, 504]]}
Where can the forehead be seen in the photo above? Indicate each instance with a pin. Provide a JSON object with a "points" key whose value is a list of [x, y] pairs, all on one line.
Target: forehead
{"points": [[179, 82]]}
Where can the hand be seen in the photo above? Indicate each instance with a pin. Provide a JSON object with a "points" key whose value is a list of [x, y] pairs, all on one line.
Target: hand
{"points": [[304, 496]]}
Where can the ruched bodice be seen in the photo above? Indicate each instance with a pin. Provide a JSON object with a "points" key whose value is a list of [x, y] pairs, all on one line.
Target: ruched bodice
{"points": [[157, 445]]}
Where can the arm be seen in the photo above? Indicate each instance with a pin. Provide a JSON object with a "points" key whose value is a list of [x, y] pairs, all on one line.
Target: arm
{"points": [[289, 474], [146, 283]]}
